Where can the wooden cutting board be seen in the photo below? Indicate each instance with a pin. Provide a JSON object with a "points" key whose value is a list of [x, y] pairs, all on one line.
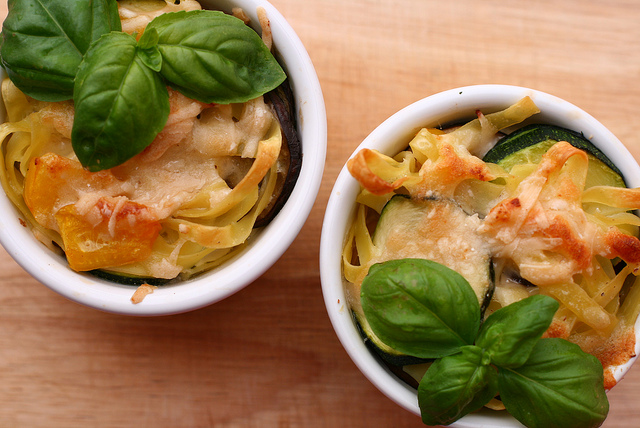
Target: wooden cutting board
{"points": [[267, 356]]}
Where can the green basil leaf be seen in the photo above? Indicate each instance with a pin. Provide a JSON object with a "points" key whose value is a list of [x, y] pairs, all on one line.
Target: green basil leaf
{"points": [[43, 42], [151, 58], [510, 333], [121, 104], [420, 307], [559, 386], [456, 385], [148, 50], [214, 57], [149, 39]]}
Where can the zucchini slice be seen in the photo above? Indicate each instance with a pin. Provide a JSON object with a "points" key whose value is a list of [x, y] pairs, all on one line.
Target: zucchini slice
{"points": [[388, 354], [124, 279], [528, 144], [432, 229], [438, 230]]}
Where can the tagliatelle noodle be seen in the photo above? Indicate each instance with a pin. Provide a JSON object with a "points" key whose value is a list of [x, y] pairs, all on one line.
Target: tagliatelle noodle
{"points": [[563, 237], [136, 14], [267, 37]]}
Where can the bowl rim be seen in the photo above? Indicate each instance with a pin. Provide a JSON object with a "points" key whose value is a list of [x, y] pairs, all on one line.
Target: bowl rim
{"points": [[391, 136], [260, 254]]}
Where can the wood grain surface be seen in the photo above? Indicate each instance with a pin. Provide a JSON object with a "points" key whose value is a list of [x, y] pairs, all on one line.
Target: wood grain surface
{"points": [[267, 356]]}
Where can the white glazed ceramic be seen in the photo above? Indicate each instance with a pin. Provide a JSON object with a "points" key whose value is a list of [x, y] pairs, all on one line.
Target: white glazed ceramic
{"points": [[392, 136], [237, 273]]}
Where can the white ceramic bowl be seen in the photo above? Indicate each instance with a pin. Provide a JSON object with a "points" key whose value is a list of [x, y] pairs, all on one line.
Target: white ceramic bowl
{"points": [[234, 275], [392, 136]]}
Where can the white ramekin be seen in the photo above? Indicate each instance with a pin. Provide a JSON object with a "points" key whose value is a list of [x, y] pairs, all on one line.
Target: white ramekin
{"points": [[392, 136], [53, 271]]}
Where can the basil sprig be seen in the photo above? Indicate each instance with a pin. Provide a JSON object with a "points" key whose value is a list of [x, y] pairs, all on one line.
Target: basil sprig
{"points": [[54, 50], [542, 382]]}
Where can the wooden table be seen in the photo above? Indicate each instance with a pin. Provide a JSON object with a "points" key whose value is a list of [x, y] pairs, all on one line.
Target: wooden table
{"points": [[267, 356]]}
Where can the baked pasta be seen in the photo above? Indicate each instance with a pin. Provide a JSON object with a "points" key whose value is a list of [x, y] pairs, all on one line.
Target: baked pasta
{"points": [[556, 221], [189, 201]]}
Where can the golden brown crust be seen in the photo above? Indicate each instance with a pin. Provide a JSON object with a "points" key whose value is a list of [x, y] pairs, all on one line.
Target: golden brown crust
{"points": [[619, 352], [616, 351], [558, 328], [452, 167], [622, 245], [502, 213], [572, 245], [542, 224], [359, 167]]}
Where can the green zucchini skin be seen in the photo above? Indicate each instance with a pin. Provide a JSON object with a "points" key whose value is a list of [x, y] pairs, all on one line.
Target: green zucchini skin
{"points": [[489, 294], [394, 359], [537, 133], [119, 278]]}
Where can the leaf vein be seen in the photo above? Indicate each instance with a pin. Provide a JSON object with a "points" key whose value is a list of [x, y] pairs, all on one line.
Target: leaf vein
{"points": [[55, 21]]}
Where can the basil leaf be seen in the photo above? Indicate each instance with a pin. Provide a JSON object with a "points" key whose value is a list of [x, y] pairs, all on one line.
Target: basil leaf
{"points": [[151, 58], [149, 39], [148, 50], [559, 386], [43, 42], [456, 385], [214, 58], [510, 333], [420, 307], [121, 104]]}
